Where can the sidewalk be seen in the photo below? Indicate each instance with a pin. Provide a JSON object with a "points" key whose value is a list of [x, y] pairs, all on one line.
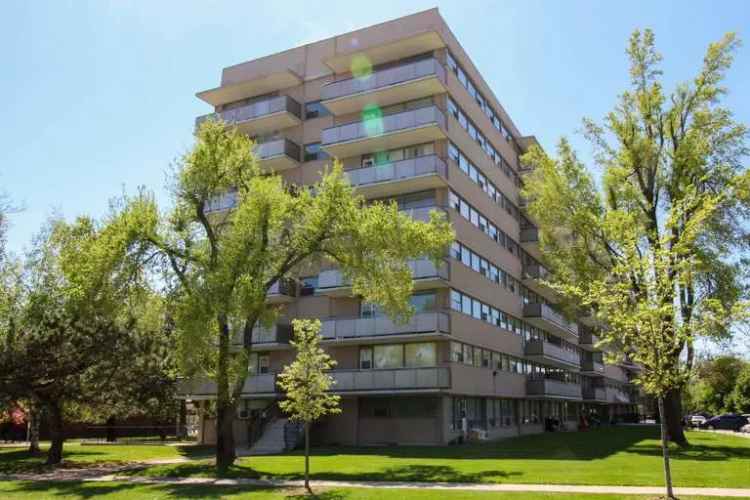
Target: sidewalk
{"points": [[538, 488]]}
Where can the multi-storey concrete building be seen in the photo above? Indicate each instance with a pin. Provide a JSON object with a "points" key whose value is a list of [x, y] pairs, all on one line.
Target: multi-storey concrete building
{"points": [[412, 120]]}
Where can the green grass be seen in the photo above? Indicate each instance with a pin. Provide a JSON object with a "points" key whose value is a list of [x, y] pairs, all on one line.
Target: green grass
{"points": [[18, 460], [629, 456], [128, 491]]}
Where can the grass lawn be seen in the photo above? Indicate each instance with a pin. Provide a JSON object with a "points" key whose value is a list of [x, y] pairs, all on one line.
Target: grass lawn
{"points": [[127, 491], [629, 456], [17, 460]]}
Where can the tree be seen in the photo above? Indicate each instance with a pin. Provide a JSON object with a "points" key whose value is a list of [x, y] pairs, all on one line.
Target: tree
{"points": [[75, 333], [650, 252], [307, 384], [713, 383], [220, 264], [739, 399]]}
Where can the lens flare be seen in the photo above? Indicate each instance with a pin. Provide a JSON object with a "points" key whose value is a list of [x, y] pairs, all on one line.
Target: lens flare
{"points": [[372, 119], [361, 67]]}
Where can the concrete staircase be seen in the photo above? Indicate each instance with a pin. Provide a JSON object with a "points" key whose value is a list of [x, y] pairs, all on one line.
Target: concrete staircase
{"points": [[273, 440]]}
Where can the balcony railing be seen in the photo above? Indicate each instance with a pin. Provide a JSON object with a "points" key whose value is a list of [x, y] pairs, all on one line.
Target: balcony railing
{"points": [[554, 353], [254, 110], [423, 213], [283, 288], [391, 379], [550, 318], [553, 388], [383, 78], [383, 125], [530, 235], [536, 272], [403, 169], [592, 366], [276, 334], [594, 394], [351, 328], [254, 384], [420, 269], [618, 396], [278, 147]]}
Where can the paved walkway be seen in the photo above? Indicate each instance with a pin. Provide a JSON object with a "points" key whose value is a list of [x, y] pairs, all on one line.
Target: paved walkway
{"points": [[542, 488]]}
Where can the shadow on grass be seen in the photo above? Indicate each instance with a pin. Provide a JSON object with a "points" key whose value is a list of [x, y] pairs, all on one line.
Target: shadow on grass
{"points": [[46, 489]]}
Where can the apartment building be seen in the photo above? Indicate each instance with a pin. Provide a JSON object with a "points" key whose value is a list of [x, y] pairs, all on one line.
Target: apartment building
{"points": [[409, 115]]}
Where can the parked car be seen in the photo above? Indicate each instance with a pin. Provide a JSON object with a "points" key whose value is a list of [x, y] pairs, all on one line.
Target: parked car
{"points": [[728, 421], [745, 428], [697, 420]]}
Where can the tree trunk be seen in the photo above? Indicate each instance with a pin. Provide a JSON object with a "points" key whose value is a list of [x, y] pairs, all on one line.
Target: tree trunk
{"points": [[665, 450], [34, 429], [307, 457], [54, 455], [672, 413], [225, 411]]}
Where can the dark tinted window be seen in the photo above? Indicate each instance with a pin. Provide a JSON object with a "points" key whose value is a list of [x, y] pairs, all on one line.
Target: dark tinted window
{"points": [[315, 110], [313, 152]]}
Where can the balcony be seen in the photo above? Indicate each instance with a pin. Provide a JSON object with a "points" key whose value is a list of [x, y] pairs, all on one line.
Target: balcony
{"points": [[618, 396], [530, 242], [346, 381], [260, 117], [592, 367], [551, 354], [283, 291], [404, 176], [384, 87], [276, 334], [400, 379], [383, 133], [596, 394], [587, 340], [534, 276], [425, 273], [423, 213], [261, 384], [432, 324], [278, 155], [546, 318], [550, 388]]}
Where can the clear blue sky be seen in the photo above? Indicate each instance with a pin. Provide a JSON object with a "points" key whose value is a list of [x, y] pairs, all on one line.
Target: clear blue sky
{"points": [[99, 96]]}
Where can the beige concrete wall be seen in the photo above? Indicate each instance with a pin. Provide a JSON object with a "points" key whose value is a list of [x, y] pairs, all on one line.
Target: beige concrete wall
{"points": [[471, 380]]}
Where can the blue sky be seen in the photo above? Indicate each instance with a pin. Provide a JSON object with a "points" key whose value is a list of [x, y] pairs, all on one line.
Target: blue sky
{"points": [[99, 96]]}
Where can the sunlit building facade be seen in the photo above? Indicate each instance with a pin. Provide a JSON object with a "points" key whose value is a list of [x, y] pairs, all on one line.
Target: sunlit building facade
{"points": [[486, 355]]}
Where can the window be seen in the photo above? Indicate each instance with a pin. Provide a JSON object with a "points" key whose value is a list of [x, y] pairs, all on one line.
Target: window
{"points": [[477, 357], [457, 353], [313, 152], [365, 358], [486, 359], [468, 354], [309, 284], [315, 110], [263, 363], [388, 356], [423, 302], [455, 300], [420, 354]]}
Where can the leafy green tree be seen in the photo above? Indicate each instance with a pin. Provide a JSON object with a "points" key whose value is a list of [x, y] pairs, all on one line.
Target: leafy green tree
{"points": [[220, 264], [650, 250], [307, 383], [739, 399], [75, 337], [716, 379]]}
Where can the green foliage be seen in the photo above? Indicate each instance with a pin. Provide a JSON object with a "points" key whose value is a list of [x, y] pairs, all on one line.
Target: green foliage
{"points": [[305, 381], [714, 383], [649, 249], [219, 265], [81, 333], [740, 397]]}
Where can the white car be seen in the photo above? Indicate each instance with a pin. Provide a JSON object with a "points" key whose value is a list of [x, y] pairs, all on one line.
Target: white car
{"points": [[697, 420], [745, 428]]}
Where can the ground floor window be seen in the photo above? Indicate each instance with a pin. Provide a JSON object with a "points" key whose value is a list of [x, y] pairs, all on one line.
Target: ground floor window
{"points": [[412, 407]]}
